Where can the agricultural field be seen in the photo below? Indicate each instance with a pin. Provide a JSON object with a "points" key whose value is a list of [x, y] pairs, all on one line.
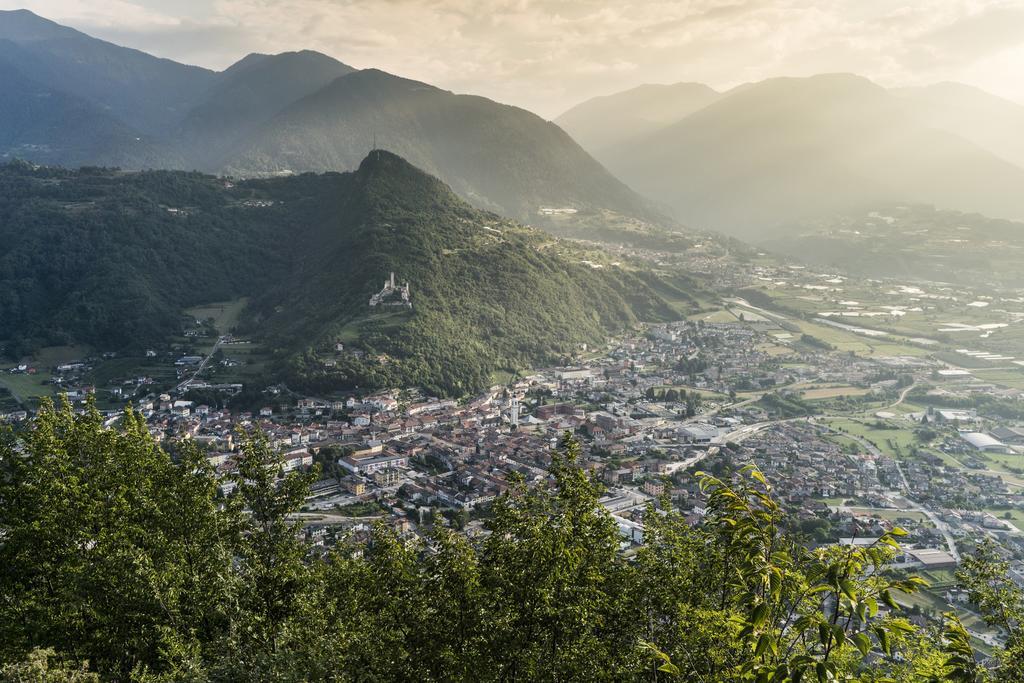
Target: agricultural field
{"points": [[893, 441], [225, 314]]}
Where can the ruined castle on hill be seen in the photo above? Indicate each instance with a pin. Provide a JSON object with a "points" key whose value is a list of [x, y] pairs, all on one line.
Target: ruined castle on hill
{"points": [[392, 295]]}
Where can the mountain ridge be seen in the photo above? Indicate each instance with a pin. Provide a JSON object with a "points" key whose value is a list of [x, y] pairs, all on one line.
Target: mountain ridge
{"points": [[636, 112], [308, 251], [782, 150], [259, 116]]}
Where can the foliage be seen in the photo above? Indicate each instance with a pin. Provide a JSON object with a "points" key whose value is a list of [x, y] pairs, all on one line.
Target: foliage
{"points": [[111, 259], [118, 559]]}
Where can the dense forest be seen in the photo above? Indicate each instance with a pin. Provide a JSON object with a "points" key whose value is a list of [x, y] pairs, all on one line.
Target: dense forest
{"points": [[110, 259], [487, 293], [118, 562]]}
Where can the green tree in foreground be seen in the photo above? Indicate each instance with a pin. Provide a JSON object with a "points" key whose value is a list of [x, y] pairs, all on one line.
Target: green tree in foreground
{"points": [[120, 563]]}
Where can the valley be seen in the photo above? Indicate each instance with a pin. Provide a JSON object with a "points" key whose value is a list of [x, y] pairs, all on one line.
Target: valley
{"points": [[313, 371]]}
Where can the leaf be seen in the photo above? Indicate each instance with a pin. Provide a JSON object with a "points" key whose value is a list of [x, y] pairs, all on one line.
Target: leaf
{"points": [[863, 643], [758, 616], [883, 639]]}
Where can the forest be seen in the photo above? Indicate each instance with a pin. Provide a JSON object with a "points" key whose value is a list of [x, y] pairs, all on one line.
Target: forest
{"points": [[119, 562], [111, 259]]}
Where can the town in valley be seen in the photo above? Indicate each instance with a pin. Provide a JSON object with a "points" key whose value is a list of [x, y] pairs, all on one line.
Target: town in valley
{"points": [[867, 404]]}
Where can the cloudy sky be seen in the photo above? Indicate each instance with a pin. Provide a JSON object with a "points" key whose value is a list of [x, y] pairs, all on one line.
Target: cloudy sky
{"points": [[547, 55]]}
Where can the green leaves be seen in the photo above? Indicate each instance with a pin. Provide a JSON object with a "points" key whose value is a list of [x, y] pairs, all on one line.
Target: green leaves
{"points": [[117, 554]]}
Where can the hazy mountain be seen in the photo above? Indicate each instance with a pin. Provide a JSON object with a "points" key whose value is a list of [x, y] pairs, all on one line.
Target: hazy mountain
{"points": [[145, 92], [498, 156], [247, 95], [603, 122], [111, 259], [50, 126], [300, 111], [774, 152], [986, 120]]}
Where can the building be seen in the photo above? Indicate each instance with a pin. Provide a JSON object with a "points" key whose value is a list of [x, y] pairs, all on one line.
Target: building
{"points": [[297, 459], [933, 558], [392, 295], [373, 462], [701, 434], [984, 442]]}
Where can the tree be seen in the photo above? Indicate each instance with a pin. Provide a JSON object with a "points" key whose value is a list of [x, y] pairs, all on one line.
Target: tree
{"points": [[270, 573], [986, 578], [797, 612], [550, 568], [112, 552]]}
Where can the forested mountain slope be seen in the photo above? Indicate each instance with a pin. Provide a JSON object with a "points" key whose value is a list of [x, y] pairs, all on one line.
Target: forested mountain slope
{"points": [[111, 259]]}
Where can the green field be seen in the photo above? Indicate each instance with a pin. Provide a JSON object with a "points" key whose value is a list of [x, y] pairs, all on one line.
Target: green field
{"points": [[27, 388], [889, 514], [893, 442], [722, 316], [225, 314], [1016, 516]]}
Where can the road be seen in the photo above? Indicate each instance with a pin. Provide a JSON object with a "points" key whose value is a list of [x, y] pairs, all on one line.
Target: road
{"points": [[736, 436], [905, 488], [183, 387], [903, 396]]}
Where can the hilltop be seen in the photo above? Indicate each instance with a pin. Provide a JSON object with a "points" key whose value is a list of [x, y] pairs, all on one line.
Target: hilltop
{"points": [[111, 259]]}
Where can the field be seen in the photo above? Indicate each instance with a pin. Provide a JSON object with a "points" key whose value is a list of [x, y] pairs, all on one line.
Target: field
{"points": [[225, 314], [895, 442], [722, 316], [27, 388], [1016, 516], [351, 332]]}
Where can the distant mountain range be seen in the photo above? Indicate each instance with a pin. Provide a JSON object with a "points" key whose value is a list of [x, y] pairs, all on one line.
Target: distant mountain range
{"points": [[78, 100], [766, 155], [602, 123], [111, 259]]}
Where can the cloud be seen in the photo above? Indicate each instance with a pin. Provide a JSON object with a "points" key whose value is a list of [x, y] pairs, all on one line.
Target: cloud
{"points": [[549, 54], [88, 14]]}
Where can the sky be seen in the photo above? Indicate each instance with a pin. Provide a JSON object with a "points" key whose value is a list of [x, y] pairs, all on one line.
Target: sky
{"points": [[547, 55]]}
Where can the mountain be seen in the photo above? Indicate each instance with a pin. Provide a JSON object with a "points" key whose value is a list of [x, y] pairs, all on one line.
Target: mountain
{"points": [[51, 126], [146, 93], [247, 95], [991, 122], [299, 111], [602, 123], [497, 156], [111, 259], [775, 152]]}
